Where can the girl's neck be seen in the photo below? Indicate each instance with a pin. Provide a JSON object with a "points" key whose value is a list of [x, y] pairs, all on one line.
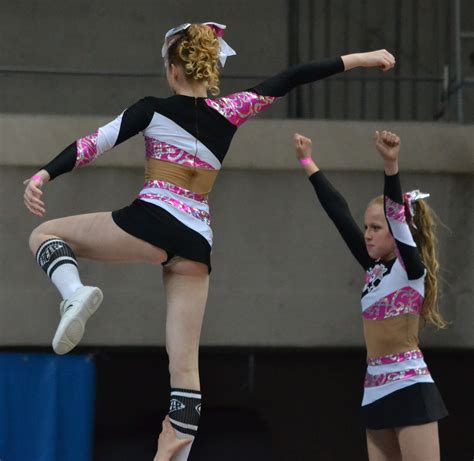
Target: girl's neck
{"points": [[194, 91], [387, 258]]}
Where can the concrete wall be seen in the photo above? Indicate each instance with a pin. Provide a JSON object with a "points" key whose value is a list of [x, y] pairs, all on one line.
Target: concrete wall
{"points": [[107, 37], [281, 274], [267, 144], [99, 56]]}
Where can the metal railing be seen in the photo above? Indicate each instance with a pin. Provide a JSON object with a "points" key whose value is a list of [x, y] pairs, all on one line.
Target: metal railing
{"points": [[403, 29]]}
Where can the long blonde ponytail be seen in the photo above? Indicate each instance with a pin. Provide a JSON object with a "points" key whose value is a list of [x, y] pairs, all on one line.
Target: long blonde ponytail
{"points": [[423, 229]]}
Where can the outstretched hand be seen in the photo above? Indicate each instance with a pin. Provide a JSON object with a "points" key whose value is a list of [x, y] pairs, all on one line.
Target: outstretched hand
{"points": [[388, 145], [168, 442]]}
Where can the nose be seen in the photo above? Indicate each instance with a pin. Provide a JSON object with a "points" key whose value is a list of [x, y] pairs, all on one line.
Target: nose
{"points": [[367, 235]]}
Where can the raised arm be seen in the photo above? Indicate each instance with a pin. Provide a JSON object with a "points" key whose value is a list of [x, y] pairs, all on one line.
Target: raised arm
{"points": [[242, 106], [388, 146], [85, 150], [333, 203], [282, 83]]}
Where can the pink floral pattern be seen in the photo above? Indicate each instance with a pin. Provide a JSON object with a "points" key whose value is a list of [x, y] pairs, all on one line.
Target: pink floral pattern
{"points": [[394, 211], [406, 300], [202, 215], [239, 107], [384, 378], [86, 150], [395, 358], [162, 151], [175, 189], [374, 273]]}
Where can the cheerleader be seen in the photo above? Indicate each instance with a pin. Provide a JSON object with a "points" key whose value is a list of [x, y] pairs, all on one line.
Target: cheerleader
{"points": [[401, 405], [187, 137]]}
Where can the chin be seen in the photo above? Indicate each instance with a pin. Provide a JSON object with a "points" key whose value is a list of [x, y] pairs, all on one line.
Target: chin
{"points": [[373, 253]]}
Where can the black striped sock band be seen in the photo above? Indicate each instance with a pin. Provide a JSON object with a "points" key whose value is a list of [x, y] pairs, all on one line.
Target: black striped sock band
{"points": [[53, 253], [185, 410]]}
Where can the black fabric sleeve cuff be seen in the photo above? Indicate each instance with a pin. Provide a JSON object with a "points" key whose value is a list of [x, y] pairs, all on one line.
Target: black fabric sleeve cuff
{"points": [[62, 163]]}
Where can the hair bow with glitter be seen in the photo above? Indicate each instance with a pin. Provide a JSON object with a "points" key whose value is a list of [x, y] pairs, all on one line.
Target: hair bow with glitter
{"points": [[410, 198], [224, 49]]}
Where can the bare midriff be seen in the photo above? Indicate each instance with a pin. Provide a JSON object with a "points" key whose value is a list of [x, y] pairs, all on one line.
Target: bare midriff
{"points": [[392, 335]]}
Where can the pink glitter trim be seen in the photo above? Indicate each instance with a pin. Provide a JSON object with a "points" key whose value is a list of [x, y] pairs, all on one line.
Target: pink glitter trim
{"points": [[406, 300], [395, 358], [384, 378], [162, 151], [86, 149], [202, 215], [239, 107], [175, 189], [395, 211]]}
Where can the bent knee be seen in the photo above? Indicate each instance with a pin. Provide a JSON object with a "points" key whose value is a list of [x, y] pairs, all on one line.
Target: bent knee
{"points": [[39, 235]]}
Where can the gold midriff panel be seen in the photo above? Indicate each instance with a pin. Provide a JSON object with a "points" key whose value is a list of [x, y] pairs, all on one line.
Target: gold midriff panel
{"points": [[197, 180], [392, 335]]}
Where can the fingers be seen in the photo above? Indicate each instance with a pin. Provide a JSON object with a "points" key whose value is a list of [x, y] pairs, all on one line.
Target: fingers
{"points": [[301, 141], [32, 199], [389, 138], [33, 196], [385, 59], [379, 138], [166, 423], [297, 140], [388, 60], [35, 209], [183, 442]]}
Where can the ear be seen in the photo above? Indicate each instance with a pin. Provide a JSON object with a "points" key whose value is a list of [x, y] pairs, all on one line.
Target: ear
{"points": [[174, 72]]}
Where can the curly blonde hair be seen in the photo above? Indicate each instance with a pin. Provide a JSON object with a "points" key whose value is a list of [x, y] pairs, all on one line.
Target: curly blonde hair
{"points": [[197, 51], [423, 229]]}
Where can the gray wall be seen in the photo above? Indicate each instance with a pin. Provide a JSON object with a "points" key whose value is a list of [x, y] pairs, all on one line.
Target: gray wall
{"points": [[110, 37], [99, 56], [281, 275]]}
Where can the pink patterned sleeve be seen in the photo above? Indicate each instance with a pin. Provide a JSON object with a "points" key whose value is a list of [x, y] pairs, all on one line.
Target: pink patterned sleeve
{"points": [[239, 107], [86, 149]]}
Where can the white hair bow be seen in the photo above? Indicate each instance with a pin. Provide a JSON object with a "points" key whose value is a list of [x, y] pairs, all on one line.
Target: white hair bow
{"points": [[410, 198], [224, 49]]}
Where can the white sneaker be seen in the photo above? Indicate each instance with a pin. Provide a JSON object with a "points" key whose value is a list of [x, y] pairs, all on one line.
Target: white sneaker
{"points": [[75, 312]]}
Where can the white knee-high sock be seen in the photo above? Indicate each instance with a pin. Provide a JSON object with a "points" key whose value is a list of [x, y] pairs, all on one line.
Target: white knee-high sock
{"points": [[57, 259], [184, 414]]}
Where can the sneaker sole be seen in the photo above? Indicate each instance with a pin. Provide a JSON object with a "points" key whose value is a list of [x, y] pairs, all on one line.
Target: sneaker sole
{"points": [[72, 330]]}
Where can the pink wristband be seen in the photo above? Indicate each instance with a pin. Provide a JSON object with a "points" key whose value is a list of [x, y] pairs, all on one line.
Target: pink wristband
{"points": [[305, 161], [36, 177]]}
